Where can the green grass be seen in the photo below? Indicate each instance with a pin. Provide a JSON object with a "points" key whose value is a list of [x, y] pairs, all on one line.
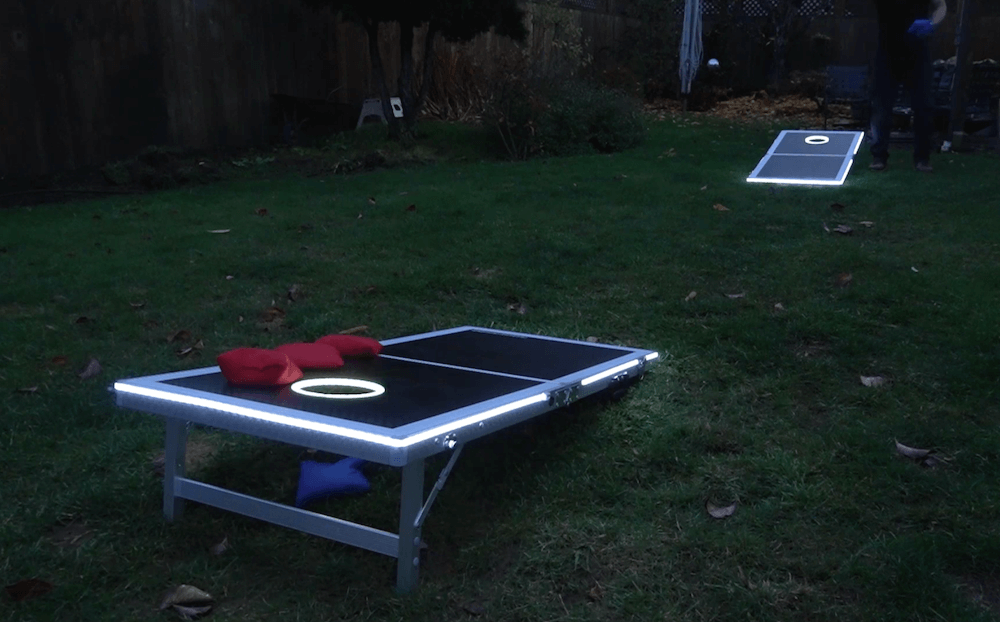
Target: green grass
{"points": [[594, 514]]}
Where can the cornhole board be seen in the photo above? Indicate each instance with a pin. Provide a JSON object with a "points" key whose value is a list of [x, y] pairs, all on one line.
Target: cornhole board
{"points": [[424, 395], [808, 157]]}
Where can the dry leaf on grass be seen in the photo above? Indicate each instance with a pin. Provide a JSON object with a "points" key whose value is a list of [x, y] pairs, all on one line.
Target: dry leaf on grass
{"points": [[186, 596], [912, 452], [28, 589], [220, 230], [371, 200], [354, 330], [194, 349], [517, 307], [137, 305], [691, 296], [736, 296], [779, 307], [843, 280], [719, 207], [220, 547], [92, 369], [295, 292], [58, 360], [28, 390], [411, 207], [873, 381], [261, 211], [720, 512], [843, 230], [825, 228], [866, 223], [592, 339]]}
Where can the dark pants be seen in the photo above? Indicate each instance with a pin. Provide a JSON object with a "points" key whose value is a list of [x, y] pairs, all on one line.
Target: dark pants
{"points": [[907, 63]]}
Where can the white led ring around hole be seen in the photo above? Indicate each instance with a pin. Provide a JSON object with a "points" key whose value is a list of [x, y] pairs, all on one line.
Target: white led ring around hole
{"points": [[302, 388], [817, 140]]}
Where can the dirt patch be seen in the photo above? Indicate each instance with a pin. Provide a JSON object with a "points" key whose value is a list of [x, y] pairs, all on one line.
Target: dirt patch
{"points": [[760, 107], [70, 535], [200, 452]]}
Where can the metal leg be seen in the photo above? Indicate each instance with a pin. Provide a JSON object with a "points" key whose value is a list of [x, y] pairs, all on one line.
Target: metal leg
{"points": [[410, 502], [173, 467]]}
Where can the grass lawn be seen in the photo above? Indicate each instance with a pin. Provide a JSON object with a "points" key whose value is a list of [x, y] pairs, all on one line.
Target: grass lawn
{"points": [[768, 322]]}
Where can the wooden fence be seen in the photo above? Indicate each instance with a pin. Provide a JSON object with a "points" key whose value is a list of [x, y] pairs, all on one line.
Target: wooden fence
{"points": [[84, 83]]}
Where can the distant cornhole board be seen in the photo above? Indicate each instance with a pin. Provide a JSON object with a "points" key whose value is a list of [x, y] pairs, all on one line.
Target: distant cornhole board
{"points": [[373, 108], [809, 158]]}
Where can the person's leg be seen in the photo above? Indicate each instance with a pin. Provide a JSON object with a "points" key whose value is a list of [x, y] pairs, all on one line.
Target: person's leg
{"points": [[920, 96], [882, 99]]}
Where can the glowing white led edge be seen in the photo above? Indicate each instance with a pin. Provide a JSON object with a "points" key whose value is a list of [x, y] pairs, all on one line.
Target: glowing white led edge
{"points": [[856, 147], [610, 372], [302, 388], [652, 356], [817, 139], [326, 427], [800, 182]]}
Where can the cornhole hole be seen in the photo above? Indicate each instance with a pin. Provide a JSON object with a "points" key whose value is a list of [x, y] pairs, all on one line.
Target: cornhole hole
{"points": [[809, 158], [423, 395]]}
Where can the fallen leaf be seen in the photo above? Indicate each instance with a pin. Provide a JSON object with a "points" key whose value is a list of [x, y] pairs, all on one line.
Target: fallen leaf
{"points": [[137, 305], [92, 369], [914, 268], [719, 207], [58, 360], [220, 547], [843, 280], [354, 330], [866, 223], [621, 176], [261, 211], [240, 319], [837, 207], [474, 609], [719, 512], [229, 277], [360, 215], [873, 381], [843, 230], [735, 296], [188, 601], [295, 292], [825, 228], [912, 452], [411, 207], [28, 390], [83, 319], [272, 313], [197, 347], [690, 296], [592, 339], [179, 336], [704, 187], [28, 589], [779, 307], [371, 200], [517, 307], [219, 230]]}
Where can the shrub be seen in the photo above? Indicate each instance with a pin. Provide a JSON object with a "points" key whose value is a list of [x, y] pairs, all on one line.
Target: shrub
{"points": [[565, 118]]}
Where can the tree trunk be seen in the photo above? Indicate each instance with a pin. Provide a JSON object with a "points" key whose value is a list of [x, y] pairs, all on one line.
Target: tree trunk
{"points": [[427, 69], [371, 27], [406, 74]]}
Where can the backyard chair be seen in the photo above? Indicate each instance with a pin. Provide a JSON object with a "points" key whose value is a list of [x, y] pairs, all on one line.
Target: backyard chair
{"points": [[847, 85]]}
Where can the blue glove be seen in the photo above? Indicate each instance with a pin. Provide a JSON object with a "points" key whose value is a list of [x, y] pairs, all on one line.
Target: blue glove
{"points": [[922, 28]]}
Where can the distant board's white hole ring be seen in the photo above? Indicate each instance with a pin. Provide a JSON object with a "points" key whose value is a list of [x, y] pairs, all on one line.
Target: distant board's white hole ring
{"points": [[302, 387], [817, 140]]}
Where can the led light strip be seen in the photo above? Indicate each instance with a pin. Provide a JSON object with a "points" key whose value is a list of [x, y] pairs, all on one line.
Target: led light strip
{"points": [[805, 182], [609, 372], [326, 427], [302, 388]]}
